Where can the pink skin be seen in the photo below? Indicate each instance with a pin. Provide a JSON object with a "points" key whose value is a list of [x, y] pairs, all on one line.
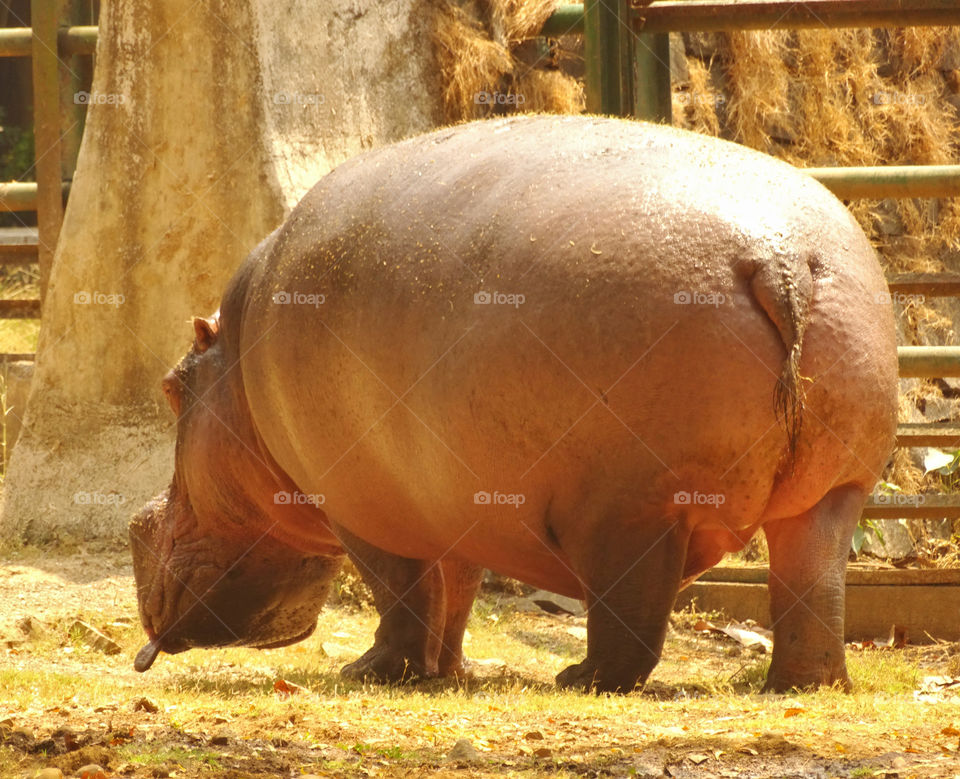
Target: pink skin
{"points": [[698, 321]]}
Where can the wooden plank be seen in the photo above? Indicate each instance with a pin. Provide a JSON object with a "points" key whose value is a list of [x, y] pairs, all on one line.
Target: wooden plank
{"points": [[20, 309], [899, 577], [927, 284], [17, 356], [898, 506], [46, 125], [945, 434], [925, 612], [18, 254]]}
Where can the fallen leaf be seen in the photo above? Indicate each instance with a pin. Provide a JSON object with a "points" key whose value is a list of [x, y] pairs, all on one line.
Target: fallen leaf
{"points": [[534, 735], [285, 689], [543, 752], [697, 759], [793, 712], [950, 731], [748, 751]]}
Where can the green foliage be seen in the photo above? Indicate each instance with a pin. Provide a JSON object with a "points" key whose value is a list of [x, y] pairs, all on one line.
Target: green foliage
{"points": [[16, 152]]}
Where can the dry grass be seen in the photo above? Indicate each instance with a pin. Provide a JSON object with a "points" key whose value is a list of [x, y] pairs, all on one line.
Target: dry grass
{"points": [[476, 45], [218, 713]]}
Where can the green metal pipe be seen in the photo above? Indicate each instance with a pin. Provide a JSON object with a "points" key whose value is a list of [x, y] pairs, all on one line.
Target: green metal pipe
{"points": [[18, 196], [929, 362], [79, 40], [566, 20], [18, 41], [890, 181], [706, 16]]}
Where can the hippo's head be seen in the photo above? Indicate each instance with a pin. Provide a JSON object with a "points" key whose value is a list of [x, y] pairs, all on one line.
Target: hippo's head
{"points": [[218, 560]]}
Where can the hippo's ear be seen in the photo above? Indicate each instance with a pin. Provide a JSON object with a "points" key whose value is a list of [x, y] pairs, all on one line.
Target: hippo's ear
{"points": [[206, 332]]}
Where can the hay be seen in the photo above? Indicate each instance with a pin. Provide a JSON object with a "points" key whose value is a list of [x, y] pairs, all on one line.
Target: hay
{"points": [[483, 70]]}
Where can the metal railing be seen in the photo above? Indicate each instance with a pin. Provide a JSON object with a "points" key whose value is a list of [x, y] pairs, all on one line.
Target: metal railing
{"points": [[46, 43]]}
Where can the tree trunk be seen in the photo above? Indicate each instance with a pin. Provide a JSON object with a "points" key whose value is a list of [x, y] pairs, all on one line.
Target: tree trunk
{"points": [[207, 122]]}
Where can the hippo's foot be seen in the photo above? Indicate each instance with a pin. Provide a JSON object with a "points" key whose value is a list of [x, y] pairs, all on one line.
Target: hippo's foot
{"points": [[462, 669], [588, 676], [382, 664], [779, 680]]}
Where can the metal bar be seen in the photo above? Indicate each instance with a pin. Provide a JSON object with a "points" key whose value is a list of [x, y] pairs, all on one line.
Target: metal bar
{"points": [[603, 53], [929, 362], [890, 181], [652, 93], [20, 309], [928, 434], [18, 196], [932, 285], [18, 41], [46, 127], [22, 195], [566, 20], [79, 40], [701, 15]]}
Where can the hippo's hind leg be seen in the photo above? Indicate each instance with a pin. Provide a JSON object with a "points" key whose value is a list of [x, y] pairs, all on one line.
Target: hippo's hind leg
{"points": [[423, 607], [631, 573], [808, 561]]}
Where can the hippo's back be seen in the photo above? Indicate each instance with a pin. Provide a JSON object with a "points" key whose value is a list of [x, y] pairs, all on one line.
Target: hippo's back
{"points": [[561, 308]]}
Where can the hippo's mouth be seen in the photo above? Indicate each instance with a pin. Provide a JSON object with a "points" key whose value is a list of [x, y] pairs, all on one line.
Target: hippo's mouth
{"points": [[152, 649]]}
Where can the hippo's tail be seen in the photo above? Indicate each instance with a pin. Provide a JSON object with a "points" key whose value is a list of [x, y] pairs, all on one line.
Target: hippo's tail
{"points": [[783, 287]]}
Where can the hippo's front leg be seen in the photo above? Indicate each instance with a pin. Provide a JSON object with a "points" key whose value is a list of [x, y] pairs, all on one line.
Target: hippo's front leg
{"points": [[424, 606], [630, 586], [808, 562]]}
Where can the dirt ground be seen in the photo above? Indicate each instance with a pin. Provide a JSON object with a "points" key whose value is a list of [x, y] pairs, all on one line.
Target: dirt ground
{"points": [[69, 700]]}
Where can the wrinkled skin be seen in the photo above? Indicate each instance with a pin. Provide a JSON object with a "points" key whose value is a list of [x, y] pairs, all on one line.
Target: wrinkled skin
{"points": [[213, 556], [702, 349]]}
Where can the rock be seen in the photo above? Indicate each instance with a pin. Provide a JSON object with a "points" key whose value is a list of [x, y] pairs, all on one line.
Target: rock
{"points": [[896, 543], [703, 45], [94, 638], [145, 704], [463, 750], [48, 773], [91, 771], [19, 739], [558, 604], [30, 627]]}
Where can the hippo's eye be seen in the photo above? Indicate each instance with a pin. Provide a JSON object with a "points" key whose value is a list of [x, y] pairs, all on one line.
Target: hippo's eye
{"points": [[171, 388]]}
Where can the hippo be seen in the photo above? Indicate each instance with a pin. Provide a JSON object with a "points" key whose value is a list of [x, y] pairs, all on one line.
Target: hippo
{"points": [[592, 354]]}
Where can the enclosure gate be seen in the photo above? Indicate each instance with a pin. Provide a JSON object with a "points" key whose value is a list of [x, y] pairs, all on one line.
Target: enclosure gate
{"points": [[627, 53]]}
